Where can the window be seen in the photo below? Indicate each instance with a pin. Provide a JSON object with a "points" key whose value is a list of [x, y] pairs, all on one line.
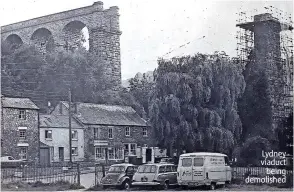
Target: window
{"points": [[115, 153], [145, 131], [187, 162], [127, 131], [22, 134], [198, 162], [96, 133], [110, 153], [23, 153], [147, 169], [110, 133], [162, 169], [133, 149], [48, 134], [169, 168], [74, 151], [100, 153], [130, 149], [22, 114], [74, 135]]}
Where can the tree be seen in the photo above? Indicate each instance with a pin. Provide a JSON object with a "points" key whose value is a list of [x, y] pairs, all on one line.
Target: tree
{"points": [[27, 72], [140, 88], [285, 134], [193, 105]]}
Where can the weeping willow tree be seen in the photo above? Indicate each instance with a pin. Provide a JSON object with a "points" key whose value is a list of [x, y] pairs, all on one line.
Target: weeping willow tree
{"points": [[193, 105]]}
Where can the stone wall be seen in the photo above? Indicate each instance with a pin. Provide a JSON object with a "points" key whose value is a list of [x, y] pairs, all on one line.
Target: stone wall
{"points": [[10, 134], [119, 138]]}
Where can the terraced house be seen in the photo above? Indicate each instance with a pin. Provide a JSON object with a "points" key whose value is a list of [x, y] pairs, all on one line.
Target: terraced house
{"points": [[111, 132], [54, 136], [19, 128]]}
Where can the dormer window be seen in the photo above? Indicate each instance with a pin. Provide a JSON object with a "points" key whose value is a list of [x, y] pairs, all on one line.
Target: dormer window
{"points": [[127, 131]]}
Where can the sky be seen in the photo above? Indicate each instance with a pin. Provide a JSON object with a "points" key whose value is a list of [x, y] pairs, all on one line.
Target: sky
{"points": [[153, 28]]}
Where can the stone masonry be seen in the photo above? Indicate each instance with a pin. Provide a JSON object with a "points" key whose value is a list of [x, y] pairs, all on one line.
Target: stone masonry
{"points": [[10, 133], [64, 29], [119, 138]]}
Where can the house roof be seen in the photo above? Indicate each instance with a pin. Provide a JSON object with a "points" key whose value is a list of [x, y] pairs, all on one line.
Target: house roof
{"points": [[22, 103], [58, 121], [101, 114], [43, 145]]}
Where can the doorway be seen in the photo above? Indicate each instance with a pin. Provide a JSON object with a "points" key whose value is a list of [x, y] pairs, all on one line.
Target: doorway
{"points": [[44, 156], [148, 155], [61, 153]]}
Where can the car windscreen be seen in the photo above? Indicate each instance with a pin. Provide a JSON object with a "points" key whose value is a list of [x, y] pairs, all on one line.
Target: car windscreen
{"points": [[147, 169], [116, 169]]}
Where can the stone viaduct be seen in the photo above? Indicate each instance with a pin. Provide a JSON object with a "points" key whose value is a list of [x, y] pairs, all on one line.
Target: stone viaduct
{"points": [[64, 30]]}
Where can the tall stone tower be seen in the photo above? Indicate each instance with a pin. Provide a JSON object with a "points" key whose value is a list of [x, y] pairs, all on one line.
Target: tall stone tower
{"points": [[266, 32]]}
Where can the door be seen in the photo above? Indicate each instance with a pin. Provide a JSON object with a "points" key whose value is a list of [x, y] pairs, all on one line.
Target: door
{"points": [[171, 174], [44, 156], [61, 153], [148, 155], [198, 169], [185, 169]]}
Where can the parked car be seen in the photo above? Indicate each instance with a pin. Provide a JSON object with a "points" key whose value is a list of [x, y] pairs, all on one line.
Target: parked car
{"points": [[119, 175], [156, 174], [209, 169], [10, 162], [10, 159]]}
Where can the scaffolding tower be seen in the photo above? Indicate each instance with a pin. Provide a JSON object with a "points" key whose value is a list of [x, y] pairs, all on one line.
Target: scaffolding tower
{"points": [[284, 60]]}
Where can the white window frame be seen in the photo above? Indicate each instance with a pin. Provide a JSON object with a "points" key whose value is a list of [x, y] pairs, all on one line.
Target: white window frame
{"points": [[129, 150], [77, 151], [22, 114], [72, 135], [48, 138], [22, 136], [110, 134], [116, 150], [127, 131], [145, 133], [23, 155], [100, 150]]}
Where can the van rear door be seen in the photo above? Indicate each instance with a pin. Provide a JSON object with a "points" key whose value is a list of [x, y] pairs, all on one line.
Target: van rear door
{"points": [[198, 169], [185, 169]]}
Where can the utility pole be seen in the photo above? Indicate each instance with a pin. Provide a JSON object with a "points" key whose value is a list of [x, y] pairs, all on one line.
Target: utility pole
{"points": [[69, 125]]}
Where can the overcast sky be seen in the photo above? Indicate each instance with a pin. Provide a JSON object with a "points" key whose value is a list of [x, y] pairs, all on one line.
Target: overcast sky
{"points": [[151, 28]]}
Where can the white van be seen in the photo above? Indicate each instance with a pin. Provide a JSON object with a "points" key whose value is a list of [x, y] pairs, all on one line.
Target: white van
{"points": [[208, 169]]}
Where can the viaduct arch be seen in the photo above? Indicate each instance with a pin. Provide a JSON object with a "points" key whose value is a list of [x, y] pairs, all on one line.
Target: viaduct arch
{"points": [[64, 28]]}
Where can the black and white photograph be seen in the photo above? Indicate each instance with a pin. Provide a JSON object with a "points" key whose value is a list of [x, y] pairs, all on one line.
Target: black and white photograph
{"points": [[146, 95]]}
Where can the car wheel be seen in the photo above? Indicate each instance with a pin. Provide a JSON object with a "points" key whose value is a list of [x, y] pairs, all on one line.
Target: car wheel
{"points": [[126, 185], [165, 185], [212, 186]]}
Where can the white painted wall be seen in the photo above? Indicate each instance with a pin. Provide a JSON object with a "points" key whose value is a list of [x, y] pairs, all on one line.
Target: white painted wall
{"points": [[60, 138]]}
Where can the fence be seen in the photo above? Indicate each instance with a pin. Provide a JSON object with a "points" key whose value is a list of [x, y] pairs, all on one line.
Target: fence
{"points": [[243, 172], [49, 174]]}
